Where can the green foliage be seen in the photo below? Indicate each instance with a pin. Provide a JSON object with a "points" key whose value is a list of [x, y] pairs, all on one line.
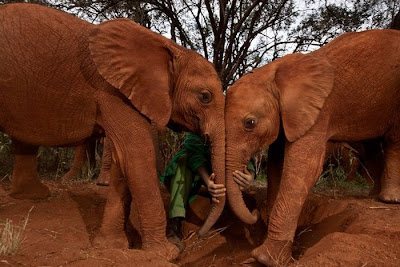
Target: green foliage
{"points": [[333, 181], [90, 171], [260, 161], [238, 36], [6, 160], [327, 20], [54, 161], [261, 178]]}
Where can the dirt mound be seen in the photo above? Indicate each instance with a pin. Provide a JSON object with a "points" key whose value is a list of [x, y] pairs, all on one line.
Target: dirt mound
{"points": [[332, 232], [349, 232]]}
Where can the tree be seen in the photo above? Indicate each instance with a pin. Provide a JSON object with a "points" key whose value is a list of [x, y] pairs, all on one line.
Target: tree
{"points": [[235, 36], [396, 22], [101, 10], [41, 2], [327, 20], [239, 35]]}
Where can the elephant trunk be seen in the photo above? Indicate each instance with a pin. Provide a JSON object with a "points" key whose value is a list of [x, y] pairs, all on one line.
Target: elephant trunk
{"points": [[235, 198], [217, 142]]}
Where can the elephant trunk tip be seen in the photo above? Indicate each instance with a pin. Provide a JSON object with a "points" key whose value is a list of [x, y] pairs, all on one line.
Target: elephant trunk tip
{"points": [[202, 232], [255, 214], [216, 211]]}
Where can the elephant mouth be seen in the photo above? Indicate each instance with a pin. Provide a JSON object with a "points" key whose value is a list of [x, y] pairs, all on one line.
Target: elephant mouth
{"points": [[206, 139]]}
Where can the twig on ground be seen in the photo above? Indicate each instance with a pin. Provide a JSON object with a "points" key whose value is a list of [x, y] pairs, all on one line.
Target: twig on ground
{"points": [[305, 231], [385, 208], [210, 236], [212, 262]]}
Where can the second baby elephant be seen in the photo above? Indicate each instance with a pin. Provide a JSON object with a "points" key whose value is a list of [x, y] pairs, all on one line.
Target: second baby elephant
{"points": [[63, 80], [347, 90]]}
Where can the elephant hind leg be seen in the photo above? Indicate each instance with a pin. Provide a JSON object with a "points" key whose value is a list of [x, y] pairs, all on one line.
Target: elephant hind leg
{"points": [[104, 177], [25, 180], [85, 152], [79, 160], [390, 191]]}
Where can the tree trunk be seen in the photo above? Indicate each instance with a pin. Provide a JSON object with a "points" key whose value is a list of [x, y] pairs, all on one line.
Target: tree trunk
{"points": [[396, 22]]}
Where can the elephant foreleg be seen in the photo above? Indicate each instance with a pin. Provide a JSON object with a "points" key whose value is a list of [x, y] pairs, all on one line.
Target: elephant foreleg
{"points": [[155, 132], [302, 166], [274, 173], [25, 180], [131, 136]]}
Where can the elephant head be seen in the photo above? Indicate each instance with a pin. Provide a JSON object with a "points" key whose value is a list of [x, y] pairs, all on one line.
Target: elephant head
{"points": [[287, 95], [166, 83]]}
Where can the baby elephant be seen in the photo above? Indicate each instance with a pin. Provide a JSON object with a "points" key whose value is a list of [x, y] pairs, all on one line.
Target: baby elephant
{"points": [[346, 91], [63, 80]]}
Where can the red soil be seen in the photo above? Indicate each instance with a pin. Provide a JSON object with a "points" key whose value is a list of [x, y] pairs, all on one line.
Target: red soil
{"points": [[332, 232]]}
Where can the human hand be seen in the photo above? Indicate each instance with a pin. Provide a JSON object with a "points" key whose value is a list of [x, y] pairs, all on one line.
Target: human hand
{"points": [[243, 179], [216, 190]]}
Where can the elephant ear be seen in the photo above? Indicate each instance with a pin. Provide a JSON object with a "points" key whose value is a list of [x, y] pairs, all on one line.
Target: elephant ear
{"points": [[136, 61], [304, 83]]}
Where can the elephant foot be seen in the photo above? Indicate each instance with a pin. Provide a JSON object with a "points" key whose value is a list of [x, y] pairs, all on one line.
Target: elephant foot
{"points": [[273, 252], [103, 180], [31, 191], [390, 196], [166, 250]]}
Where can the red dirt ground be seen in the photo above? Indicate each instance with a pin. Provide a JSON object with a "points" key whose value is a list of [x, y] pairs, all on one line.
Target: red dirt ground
{"points": [[332, 232]]}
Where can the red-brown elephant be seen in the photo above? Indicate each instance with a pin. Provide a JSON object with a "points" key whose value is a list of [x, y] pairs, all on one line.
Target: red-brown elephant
{"points": [[63, 80], [349, 90]]}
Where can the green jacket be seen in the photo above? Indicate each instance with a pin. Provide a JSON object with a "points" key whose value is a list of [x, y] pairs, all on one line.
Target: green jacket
{"points": [[198, 154]]}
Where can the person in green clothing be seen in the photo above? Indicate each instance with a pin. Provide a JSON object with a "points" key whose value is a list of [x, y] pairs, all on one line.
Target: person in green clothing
{"points": [[189, 169]]}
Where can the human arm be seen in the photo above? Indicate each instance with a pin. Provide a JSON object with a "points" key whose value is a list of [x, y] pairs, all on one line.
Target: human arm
{"points": [[216, 190], [243, 179]]}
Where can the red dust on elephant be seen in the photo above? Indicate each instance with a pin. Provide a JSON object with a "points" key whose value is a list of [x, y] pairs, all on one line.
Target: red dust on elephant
{"points": [[349, 90], [63, 80]]}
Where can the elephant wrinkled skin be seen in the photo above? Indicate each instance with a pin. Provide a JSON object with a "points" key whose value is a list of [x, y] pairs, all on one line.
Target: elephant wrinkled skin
{"points": [[347, 90], [87, 153], [63, 80]]}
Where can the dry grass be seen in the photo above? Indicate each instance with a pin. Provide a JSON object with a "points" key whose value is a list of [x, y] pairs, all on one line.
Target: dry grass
{"points": [[11, 235], [170, 143]]}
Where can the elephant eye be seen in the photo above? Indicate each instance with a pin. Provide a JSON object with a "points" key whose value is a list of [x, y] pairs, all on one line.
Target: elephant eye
{"points": [[205, 97], [249, 123]]}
